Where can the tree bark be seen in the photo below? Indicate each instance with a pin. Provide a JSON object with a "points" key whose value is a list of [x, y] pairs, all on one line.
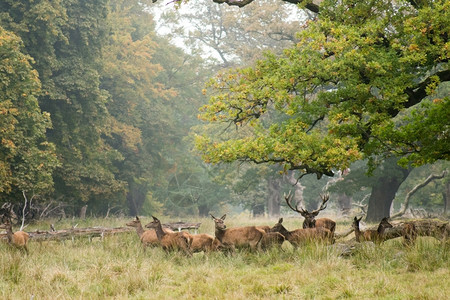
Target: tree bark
{"points": [[446, 196], [384, 190], [273, 201]]}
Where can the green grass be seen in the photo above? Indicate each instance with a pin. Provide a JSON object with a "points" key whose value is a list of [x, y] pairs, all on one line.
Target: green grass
{"points": [[118, 268]]}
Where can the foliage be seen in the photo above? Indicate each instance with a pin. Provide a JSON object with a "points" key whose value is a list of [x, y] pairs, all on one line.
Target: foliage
{"points": [[339, 93], [26, 158]]}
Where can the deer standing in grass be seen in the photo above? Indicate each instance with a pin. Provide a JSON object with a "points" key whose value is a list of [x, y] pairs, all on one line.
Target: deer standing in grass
{"points": [[238, 237], [298, 237], [202, 242], [310, 217], [18, 239], [147, 237], [376, 236], [181, 241]]}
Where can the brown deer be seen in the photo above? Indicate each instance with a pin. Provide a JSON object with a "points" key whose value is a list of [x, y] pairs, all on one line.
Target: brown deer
{"points": [[202, 242], [147, 237], [310, 217], [18, 239], [238, 237], [181, 241], [299, 236], [272, 239], [376, 236], [409, 233]]}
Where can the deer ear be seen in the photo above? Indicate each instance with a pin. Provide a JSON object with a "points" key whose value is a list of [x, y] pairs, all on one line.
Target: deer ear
{"points": [[360, 219], [212, 216], [280, 220], [224, 216], [155, 218], [137, 218]]}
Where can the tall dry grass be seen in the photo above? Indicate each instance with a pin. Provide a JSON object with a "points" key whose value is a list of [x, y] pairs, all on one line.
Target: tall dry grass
{"points": [[118, 268]]}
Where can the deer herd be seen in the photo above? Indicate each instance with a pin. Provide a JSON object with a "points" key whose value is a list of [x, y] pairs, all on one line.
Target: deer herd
{"points": [[251, 237], [254, 237]]}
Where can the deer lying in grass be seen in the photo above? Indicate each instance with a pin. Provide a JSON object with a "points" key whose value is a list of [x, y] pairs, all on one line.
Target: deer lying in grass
{"points": [[238, 237], [299, 236], [147, 237], [376, 236], [180, 241], [18, 239], [310, 217]]}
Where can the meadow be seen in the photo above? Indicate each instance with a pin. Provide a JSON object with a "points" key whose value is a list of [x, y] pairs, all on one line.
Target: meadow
{"points": [[116, 267]]}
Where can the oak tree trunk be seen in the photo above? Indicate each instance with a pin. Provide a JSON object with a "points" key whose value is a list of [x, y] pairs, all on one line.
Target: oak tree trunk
{"points": [[384, 190]]}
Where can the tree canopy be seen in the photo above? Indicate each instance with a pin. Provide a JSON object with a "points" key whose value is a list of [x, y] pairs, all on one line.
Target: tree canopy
{"points": [[360, 83], [26, 158]]}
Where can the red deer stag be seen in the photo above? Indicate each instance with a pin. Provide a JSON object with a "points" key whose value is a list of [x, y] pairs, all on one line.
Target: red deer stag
{"points": [[238, 237], [171, 240], [147, 237], [310, 217], [299, 236], [376, 236], [18, 239]]}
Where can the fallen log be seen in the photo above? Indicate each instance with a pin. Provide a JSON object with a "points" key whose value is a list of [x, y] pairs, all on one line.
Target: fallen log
{"points": [[64, 234]]}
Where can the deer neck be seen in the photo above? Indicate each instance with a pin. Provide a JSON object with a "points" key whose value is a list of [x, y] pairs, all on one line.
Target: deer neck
{"points": [[220, 233], [140, 230], [380, 229], [159, 231], [358, 233]]}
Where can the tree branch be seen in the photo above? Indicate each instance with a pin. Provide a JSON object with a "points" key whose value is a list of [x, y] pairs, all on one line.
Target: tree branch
{"points": [[241, 3], [416, 94], [415, 189]]}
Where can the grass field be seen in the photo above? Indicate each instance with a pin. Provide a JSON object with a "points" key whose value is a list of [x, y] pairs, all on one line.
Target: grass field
{"points": [[118, 268]]}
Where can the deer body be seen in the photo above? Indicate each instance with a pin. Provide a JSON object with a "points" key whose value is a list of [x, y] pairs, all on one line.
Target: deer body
{"points": [[376, 236], [323, 223], [147, 237], [18, 239], [169, 241], [300, 236], [238, 237], [272, 239], [202, 242]]}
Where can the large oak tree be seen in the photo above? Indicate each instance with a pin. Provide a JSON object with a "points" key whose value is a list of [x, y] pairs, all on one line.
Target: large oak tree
{"points": [[360, 83]]}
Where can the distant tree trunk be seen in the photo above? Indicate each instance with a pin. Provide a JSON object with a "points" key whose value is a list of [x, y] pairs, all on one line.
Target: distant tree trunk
{"points": [[446, 196], [135, 199], [298, 189], [203, 210], [83, 212], [384, 190], [273, 201], [345, 203], [258, 210]]}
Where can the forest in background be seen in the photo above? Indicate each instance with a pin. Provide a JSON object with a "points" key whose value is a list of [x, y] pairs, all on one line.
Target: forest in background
{"points": [[101, 109]]}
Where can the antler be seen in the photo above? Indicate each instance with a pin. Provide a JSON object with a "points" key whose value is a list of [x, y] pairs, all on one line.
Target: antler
{"points": [[325, 199], [288, 199]]}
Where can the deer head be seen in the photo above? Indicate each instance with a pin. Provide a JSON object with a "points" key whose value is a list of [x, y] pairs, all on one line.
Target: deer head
{"points": [[384, 224], [310, 221], [220, 225], [154, 224], [134, 223], [278, 227]]}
